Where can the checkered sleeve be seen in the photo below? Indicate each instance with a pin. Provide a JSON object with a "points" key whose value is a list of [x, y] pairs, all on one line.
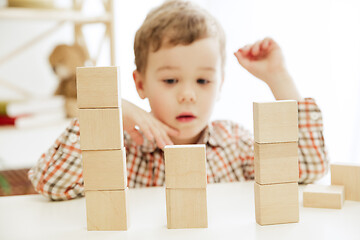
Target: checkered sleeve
{"points": [[313, 161], [58, 173]]}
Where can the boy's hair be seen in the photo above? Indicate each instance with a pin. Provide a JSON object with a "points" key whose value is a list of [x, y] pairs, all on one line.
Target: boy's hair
{"points": [[173, 23]]}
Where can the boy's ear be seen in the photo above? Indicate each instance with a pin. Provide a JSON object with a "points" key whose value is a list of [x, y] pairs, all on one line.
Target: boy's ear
{"points": [[139, 84]]}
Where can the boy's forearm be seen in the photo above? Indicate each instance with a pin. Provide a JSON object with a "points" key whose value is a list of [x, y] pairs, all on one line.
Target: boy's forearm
{"points": [[58, 173], [283, 87], [313, 157]]}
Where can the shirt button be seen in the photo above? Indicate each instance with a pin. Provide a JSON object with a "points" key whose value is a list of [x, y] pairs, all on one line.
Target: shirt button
{"points": [[315, 116], [73, 138]]}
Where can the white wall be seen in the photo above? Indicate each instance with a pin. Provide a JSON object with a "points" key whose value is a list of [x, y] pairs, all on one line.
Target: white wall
{"points": [[320, 40]]}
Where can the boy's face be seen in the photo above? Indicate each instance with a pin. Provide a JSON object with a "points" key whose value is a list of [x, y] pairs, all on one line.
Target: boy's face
{"points": [[182, 84]]}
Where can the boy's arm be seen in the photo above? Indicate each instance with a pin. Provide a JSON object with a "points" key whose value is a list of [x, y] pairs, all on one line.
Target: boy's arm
{"points": [[313, 160], [264, 60], [58, 172]]}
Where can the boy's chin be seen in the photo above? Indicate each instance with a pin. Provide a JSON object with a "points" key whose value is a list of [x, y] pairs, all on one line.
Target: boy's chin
{"points": [[187, 137]]}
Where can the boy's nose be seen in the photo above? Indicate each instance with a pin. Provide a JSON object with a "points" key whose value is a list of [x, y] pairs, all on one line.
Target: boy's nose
{"points": [[187, 96]]}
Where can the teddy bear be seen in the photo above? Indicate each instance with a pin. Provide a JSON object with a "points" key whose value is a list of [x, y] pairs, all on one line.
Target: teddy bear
{"points": [[64, 59]]}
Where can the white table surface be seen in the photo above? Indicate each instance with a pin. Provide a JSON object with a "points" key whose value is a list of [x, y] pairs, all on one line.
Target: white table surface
{"points": [[231, 215]]}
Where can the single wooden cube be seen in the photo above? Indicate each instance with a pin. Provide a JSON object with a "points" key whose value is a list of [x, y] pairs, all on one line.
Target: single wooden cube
{"points": [[347, 175], [106, 210], [186, 208], [276, 162], [98, 87], [322, 196], [185, 166], [276, 121], [276, 203], [101, 129], [104, 169]]}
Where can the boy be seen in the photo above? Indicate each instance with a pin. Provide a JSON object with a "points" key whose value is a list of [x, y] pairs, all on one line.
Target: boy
{"points": [[179, 56]]}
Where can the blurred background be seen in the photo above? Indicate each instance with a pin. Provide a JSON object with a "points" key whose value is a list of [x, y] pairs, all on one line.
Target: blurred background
{"points": [[41, 41]]}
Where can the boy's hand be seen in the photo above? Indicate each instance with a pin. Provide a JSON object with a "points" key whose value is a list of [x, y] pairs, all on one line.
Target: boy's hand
{"points": [[265, 61], [151, 127], [262, 59]]}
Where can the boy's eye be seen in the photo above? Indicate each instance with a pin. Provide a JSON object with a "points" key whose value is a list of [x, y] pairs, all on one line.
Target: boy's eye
{"points": [[202, 81], [170, 81]]}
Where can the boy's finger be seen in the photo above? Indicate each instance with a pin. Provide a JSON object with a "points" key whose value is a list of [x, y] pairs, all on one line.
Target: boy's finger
{"points": [[147, 132], [159, 142], [241, 59], [136, 136], [255, 50], [272, 43], [245, 50], [149, 135], [167, 138], [158, 137], [164, 135], [265, 44]]}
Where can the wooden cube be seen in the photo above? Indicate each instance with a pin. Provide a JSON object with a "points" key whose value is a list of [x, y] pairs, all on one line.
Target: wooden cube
{"points": [[276, 121], [101, 129], [322, 196], [104, 169], [106, 210], [276, 203], [185, 166], [186, 208], [98, 87], [276, 162], [347, 175]]}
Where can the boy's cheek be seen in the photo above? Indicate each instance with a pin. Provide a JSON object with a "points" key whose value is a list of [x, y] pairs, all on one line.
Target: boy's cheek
{"points": [[161, 107]]}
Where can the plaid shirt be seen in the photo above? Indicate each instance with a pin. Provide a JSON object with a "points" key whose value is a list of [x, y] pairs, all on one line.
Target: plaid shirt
{"points": [[229, 152]]}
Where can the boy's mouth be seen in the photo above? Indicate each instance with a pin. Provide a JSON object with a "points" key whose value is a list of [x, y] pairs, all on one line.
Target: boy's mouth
{"points": [[185, 117]]}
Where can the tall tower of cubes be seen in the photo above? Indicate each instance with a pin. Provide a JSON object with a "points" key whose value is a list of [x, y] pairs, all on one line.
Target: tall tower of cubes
{"points": [[101, 143]]}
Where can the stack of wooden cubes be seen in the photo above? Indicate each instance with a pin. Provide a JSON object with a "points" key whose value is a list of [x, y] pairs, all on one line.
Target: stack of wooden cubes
{"points": [[186, 181], [276, 162], [103, 152]]}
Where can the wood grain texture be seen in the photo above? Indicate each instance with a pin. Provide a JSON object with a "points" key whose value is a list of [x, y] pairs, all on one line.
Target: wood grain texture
{"points": [[106, 210], [323, 196], [104, 169], [275, 121], [185, 166], [276, 162], [101, 129], [186, 208], [98, 87], [347, 175], [276, 203]]}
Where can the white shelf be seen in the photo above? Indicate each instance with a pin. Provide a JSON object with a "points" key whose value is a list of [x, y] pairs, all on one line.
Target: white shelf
{"points": [[52, 14], [76, 17]]}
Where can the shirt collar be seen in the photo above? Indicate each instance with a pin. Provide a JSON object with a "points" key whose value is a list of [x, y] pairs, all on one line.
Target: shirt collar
{"points": [[217, 135]]}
